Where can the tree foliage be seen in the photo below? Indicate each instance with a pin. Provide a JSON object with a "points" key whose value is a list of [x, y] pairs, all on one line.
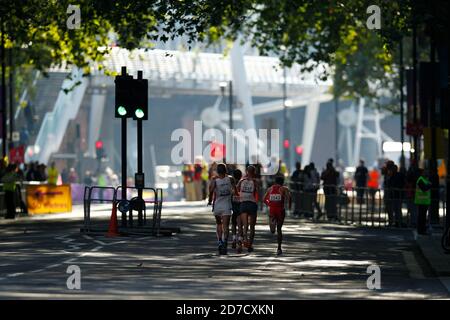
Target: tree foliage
{"points": [[310, 33]]}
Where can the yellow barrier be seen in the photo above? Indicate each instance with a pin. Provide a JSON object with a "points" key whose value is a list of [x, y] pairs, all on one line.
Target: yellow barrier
{"points": [[48, 199]]}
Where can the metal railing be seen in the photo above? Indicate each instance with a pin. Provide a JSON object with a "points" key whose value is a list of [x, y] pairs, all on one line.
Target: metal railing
{"points": [[97, 194], [364, 206]]}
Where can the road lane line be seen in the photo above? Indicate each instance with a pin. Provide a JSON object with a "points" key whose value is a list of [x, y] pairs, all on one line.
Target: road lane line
{"points": [[446, 282], [415, 271], [12, 275]]}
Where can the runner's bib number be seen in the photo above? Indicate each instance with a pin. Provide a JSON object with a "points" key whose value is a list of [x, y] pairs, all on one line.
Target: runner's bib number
{"points": [[275, 197]]}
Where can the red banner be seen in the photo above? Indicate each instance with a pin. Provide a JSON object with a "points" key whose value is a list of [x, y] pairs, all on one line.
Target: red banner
{"points": [[17, 155]]}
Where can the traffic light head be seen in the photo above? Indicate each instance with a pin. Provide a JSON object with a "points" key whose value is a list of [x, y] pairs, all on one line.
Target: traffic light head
{"points": [[123, 104], [131, 97], [99, 149], [140, 99]]}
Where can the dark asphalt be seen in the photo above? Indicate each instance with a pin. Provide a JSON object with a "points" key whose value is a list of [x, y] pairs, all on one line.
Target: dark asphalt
{"points": [[320, 261]]}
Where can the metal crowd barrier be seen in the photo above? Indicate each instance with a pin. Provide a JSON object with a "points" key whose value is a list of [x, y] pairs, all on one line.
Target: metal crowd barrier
{"points": [[364, 206], [96, 194]]}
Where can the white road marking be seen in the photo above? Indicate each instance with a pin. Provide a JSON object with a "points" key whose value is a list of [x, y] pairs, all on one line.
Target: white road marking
{"points": [[53, 266], [69, 261], [38, 270], [15, 274], [446, 282], [96, 249], [415, 271]]}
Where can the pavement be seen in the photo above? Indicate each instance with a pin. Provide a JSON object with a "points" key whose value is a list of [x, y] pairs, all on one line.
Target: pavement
{"points": [[439, 261], [320, 261]]}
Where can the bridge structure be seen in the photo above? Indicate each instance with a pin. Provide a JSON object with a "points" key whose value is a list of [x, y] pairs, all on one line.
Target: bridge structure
{"points": [[192, 72]]}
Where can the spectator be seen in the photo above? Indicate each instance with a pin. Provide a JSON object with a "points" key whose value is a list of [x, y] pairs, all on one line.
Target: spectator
{"points": [[373, 184], [330, 179], [65, 176], [387, 171], [422, 199], [52, 174], [198, 179], [397, 184], [296, 187], [40, 174], [361, 174], [88, 178], [9, 187], [32, 174], [410, 187], [73, 176], [312, 188]]}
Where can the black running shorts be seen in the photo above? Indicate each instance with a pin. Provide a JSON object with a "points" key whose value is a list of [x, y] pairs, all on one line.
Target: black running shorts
{"points": [[249, 207]]}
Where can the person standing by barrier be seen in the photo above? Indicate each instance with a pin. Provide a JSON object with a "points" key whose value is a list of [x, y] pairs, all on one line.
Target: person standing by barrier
{"points": [[397, 184], [205, 179], [73, 176], [52, 174], [387, 172], [314, 178], [330, 179], [360, 181], [9, 180], [410, 185], [307, 194], [422, 199], [188, 178], [296, 187], [220, 195], [373, 184], [275, 199], [198, 180]]}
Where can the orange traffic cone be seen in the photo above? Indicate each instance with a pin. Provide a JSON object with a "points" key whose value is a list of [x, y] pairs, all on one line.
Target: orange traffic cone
{"points": [[113, 230]]}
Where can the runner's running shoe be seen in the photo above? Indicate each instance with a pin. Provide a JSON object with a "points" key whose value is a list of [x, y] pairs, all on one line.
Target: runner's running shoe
{"points": [[220, 246]]}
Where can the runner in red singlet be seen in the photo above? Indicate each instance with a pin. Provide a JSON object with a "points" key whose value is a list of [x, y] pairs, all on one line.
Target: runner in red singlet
{"points": [[275, 198]]}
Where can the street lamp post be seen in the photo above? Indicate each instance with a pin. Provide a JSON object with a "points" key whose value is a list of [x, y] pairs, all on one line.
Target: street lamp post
{"points": [[223, 85], [3, 90], [286, 123], [402, 135]]}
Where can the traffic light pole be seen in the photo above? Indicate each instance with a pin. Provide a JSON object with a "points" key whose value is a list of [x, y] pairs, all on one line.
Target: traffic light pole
{"points": [[124, 158], [124, 166], [139, 156], [139, 165]]}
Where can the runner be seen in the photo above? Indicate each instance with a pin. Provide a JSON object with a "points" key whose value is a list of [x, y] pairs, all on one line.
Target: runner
{"points": [[275, 198], [236, 222], [248, 191], [221, 190]]}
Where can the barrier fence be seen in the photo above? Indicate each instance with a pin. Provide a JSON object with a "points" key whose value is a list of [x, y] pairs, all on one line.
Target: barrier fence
{"points": [[364, 206], [151, 197]]}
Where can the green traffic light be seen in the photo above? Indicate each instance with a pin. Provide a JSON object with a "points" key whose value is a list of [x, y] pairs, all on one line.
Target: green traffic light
{"points": [[121, 111], [139, 113]]}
